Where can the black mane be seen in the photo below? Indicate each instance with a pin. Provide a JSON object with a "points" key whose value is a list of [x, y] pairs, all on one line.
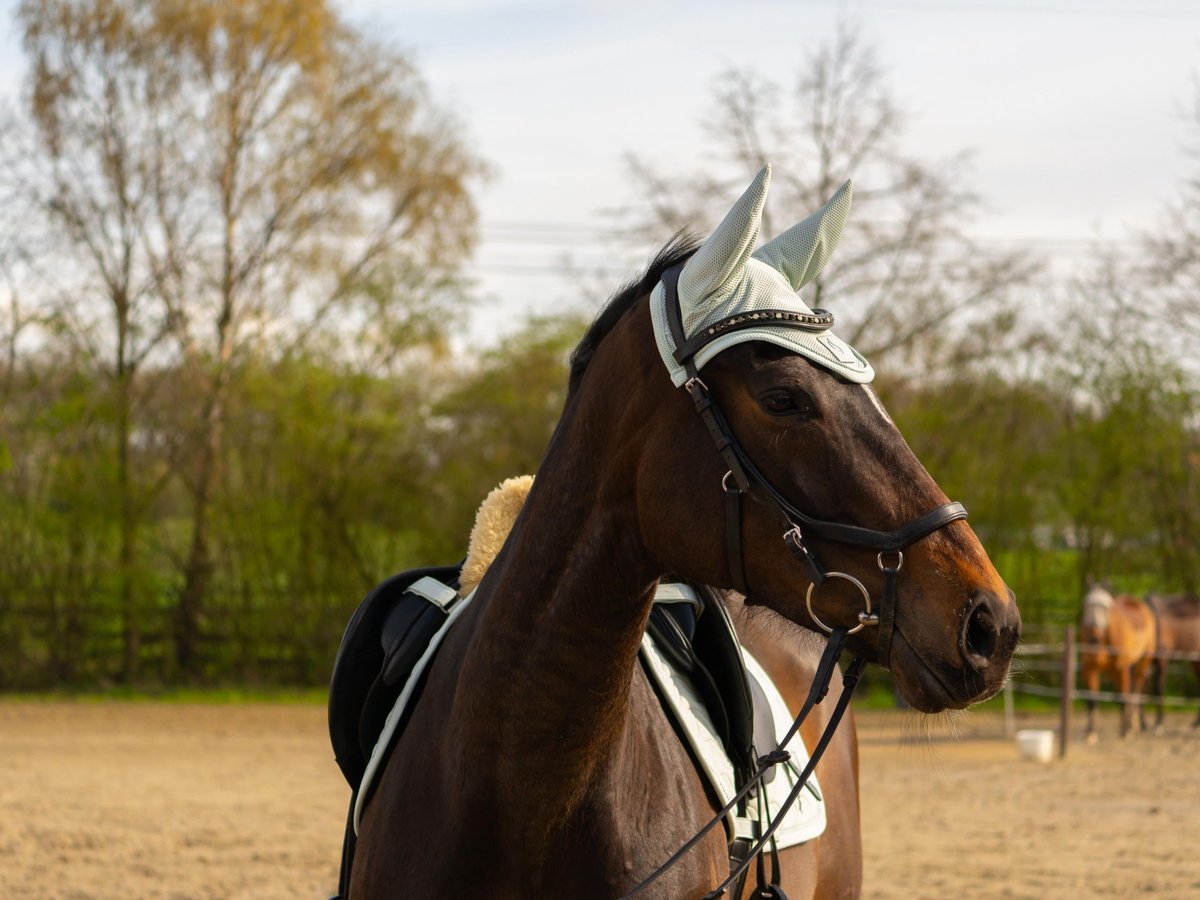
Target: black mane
{"points": [[676, 250]]}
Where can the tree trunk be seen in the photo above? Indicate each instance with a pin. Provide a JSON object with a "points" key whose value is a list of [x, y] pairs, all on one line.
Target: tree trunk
{"points": [[127, 593], [197, 573]]}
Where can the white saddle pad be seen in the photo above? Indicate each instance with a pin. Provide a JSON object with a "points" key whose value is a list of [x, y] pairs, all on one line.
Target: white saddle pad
{"points": [[806, 818]]}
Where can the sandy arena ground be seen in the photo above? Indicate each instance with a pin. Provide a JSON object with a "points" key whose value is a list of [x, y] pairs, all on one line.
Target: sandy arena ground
{"points": [[145, 800]]}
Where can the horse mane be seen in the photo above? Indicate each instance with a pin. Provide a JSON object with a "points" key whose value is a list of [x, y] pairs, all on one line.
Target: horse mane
{"points": [[675, 251]]}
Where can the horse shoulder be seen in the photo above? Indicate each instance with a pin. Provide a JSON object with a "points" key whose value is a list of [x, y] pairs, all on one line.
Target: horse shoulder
{"points": [[626, 830]]}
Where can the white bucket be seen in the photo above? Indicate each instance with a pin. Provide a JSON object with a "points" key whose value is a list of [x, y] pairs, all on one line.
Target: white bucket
{"points": [[1036, 744]]}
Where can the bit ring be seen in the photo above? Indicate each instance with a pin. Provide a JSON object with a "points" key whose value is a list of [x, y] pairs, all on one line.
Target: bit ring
{"points": [[865, 618]]}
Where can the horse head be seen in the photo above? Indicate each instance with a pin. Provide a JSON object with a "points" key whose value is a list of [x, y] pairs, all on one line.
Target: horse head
{"points": [[792, 484], [1097, 607]]}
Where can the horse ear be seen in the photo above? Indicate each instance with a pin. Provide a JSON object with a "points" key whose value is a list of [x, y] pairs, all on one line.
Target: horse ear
{"points": [[802, 251], [721, 258]]}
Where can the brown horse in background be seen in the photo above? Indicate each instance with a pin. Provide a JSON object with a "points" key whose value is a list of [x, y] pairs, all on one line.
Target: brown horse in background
{"points": [[538, 762], [1116, 635], [1178, 620]]}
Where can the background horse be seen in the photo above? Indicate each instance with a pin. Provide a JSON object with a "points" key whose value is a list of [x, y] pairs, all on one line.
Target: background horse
{"points": [[1178, 621], [1117, 637], [538, 761]]}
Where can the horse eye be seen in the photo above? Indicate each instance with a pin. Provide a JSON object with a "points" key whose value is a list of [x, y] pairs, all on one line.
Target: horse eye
{"points": [[787, 403]]}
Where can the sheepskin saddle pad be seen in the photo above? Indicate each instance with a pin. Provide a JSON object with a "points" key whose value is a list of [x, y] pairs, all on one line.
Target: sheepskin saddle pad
{"points": [[719, 699]]}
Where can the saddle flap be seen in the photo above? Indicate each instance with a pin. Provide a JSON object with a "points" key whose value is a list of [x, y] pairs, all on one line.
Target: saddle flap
{"points": [[692, 628], [382, 633], [408, 626], [685, 702], [765, 739], [717, 644]]}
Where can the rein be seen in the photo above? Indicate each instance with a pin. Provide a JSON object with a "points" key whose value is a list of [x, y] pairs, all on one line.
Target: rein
{"points": [[816, 693], [797, 526]]}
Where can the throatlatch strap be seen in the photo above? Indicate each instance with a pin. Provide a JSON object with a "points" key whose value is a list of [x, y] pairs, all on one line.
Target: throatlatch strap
{"points": [[733, 537]]}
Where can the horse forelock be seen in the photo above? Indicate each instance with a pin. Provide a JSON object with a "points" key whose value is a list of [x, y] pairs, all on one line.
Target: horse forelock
{"points": [[1096, 606], [677, 250]]}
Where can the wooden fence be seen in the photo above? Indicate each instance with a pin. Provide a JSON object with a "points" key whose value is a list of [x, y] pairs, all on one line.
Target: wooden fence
{"points": [[1049, 669]]}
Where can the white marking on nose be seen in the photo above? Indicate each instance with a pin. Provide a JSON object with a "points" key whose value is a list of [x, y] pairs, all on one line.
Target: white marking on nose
{"points": [[878, 404]]}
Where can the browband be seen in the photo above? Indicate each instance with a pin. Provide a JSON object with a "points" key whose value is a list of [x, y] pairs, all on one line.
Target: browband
{"points": [[685, 347]]}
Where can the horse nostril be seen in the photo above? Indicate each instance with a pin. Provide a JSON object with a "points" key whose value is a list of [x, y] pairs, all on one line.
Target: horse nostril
{"points": [[989, 635], [980, 635]]}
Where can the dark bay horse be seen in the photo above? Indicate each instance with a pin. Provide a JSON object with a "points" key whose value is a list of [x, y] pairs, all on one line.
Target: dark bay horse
{"points": [[1116, 635], [538, 762], [1178, 621]]}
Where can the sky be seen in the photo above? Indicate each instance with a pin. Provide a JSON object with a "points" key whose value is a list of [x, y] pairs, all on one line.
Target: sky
{"points": [[1075, 112]]}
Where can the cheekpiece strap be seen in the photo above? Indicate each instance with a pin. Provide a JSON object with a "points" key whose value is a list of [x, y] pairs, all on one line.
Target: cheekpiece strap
{"points": [[670, 283]]}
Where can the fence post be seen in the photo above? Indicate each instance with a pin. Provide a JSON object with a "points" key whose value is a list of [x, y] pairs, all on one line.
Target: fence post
{"points": [[1068, 690]]}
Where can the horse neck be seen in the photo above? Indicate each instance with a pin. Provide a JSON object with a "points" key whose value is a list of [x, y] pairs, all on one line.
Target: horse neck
{"points": [[562, 611]]}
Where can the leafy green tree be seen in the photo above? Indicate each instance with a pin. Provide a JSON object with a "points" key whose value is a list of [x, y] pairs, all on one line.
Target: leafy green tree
{"points": [[493, 422], [242, 178], [989, 443]]}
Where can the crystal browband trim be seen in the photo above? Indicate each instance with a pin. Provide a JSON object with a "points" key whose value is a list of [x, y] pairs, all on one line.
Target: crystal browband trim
{"points": [[817, 320]]}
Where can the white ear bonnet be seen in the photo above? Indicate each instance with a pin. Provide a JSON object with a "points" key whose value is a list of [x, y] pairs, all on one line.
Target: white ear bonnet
{"points": [[725, 284]]}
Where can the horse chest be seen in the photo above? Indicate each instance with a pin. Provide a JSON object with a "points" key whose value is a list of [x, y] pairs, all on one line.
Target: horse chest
{"points": [[643, 800]]}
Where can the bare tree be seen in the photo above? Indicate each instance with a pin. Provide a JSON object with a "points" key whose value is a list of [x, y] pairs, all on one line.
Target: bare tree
{"points": [[242, 178], [78, 162], [1170, 270], [906, 272]]}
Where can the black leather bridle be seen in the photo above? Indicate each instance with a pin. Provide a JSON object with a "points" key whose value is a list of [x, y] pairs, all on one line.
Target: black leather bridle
{"points": [[748, 479], [797, 528]]}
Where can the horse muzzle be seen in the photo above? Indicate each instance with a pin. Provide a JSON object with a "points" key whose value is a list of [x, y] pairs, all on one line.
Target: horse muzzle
{"points": [[988, 633]]}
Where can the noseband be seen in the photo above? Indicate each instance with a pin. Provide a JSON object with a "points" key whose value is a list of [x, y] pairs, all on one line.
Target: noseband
{"points": [[748, 479]]}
